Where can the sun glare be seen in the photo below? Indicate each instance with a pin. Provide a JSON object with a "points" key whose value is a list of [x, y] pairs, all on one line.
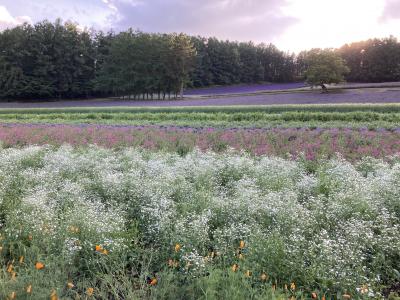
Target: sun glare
{"points": [[321, 24]]}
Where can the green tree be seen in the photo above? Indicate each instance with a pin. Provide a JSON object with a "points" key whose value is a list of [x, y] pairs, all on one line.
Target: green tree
{"points": [[325, 67]]}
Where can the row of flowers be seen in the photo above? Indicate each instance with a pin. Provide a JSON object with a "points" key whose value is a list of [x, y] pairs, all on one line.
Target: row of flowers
{"points": [[352, 144]]}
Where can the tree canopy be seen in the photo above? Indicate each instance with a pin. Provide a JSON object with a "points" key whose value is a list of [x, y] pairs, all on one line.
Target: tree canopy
{"points": [[324, 67], [57, 60]]}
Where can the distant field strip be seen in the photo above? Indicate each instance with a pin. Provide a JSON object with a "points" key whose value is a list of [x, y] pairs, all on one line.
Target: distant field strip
{"points": [[355, 116]]}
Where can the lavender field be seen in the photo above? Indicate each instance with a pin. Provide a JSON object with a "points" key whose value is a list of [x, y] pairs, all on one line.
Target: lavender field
{"points": [[371, 95], [237, 89]]}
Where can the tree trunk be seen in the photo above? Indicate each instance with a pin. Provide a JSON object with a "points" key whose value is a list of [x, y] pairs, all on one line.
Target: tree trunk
{"points": [[324, 89]]}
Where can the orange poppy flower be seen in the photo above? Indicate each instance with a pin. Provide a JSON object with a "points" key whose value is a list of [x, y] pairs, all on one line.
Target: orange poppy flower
{"points": [[314, 295], [53, 295], [90, 291], [235, 267], [177, 248], [70, 285], [241, 256], [242, 244], [39, 266], [10, 268], [292, 286], [248, 273], [99, 248], [21, 259], [323, 297], [29, 289], [154, 282]]}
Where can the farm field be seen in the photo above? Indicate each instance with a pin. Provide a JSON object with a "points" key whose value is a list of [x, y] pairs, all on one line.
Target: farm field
{"points": [[258, 202], [362, 95], [372, 116]]}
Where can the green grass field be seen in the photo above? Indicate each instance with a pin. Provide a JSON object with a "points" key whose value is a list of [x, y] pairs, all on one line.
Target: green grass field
{"points": [[354, 116]]}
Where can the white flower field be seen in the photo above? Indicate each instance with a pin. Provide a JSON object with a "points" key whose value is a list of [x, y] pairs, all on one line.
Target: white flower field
{"points": [[129, 223]]}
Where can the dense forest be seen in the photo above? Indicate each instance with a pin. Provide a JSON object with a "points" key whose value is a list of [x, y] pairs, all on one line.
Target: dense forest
{"points": [[55, 60]]}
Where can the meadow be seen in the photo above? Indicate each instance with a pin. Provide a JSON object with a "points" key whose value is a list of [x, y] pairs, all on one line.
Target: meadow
{"points": [[275, 202], [126, 224]]}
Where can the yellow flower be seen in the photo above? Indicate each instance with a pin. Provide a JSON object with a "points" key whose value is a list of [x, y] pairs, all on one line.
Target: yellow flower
{"points": [[241, 256], [154, 282], [248, 273], [285, 286], [1, 248], [70, 285], [177, 248], [29, 289], [292, 286], [293, 298], [13, 295], [235, 267], [21, 259], [13, 276], [242, 244], [89, 291], [105, 252], [264, 277], [39, 266], [53, 295]]}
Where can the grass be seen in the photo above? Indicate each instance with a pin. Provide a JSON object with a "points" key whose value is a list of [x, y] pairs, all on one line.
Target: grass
{"points": [[327, 116]]}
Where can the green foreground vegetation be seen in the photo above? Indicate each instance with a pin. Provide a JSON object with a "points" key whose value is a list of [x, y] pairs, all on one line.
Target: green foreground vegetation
{"points": [[326, 116], [91, 223]]}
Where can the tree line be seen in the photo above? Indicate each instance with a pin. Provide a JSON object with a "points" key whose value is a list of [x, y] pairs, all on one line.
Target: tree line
{"points": [[55, 60]]}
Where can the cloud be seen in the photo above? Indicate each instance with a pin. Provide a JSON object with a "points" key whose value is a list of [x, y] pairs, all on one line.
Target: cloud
{"points": [[8, 21], [391, 11], [258, 20]]}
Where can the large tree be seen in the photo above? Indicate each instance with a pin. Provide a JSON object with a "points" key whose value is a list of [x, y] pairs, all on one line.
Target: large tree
{"points": [[324, 67]]}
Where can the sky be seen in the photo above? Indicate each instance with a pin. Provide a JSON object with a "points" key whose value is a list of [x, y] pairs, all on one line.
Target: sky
{"points": [[292, 25]]}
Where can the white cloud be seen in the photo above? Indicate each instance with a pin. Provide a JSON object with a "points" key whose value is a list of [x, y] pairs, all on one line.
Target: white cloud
{"points": [[8, 21]]}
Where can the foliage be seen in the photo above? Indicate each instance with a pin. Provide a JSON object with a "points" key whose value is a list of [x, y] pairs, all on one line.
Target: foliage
{"points": [[110, 222], [374, 60], [55, 60], [46, 61], [324, 67]]}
